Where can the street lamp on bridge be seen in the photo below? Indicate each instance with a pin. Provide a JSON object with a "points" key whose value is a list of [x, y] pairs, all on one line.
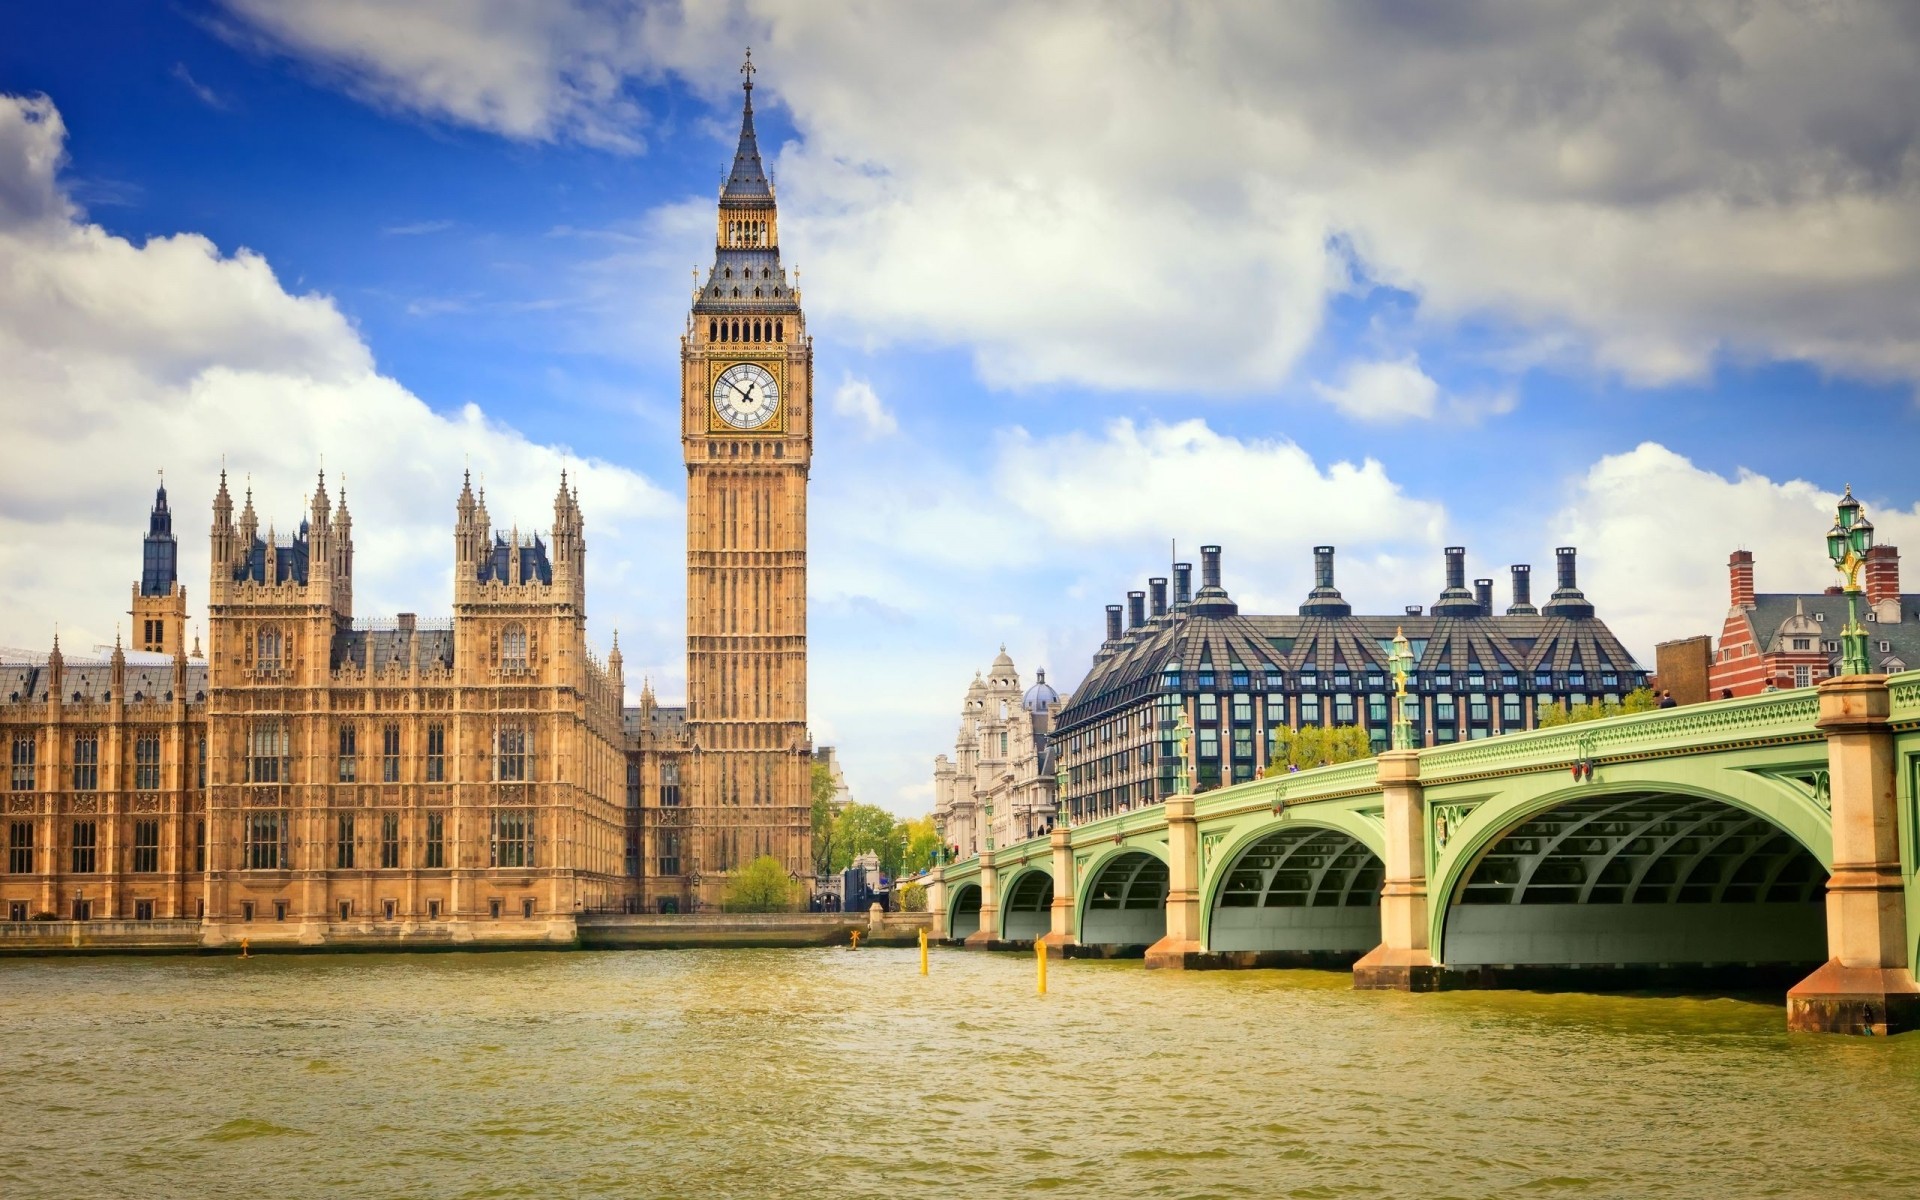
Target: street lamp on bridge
{"points": [[1400, 662], [1847, 544]]}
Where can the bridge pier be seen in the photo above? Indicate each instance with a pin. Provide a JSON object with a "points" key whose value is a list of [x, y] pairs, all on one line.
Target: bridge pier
{"points": [[937, 901], [1059, 935], [989, 931], [1402, 961], [1866, 986], [1180, 948]]}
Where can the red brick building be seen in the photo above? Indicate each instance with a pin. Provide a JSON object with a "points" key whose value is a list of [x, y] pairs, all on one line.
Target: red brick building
{"points": [[1786, 640]]}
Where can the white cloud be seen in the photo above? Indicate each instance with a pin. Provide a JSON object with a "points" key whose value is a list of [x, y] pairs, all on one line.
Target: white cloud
{"points": [[1383, 391], [118, 359], [856, 400], [1132, 195], [1654, 531]]}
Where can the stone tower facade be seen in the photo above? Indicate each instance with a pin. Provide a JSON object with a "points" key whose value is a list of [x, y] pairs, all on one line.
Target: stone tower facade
{"points": [[747, 430], [159, 602]]}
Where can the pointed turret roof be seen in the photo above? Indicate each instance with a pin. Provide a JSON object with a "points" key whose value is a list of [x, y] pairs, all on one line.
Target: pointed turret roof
{"points": [[747, 181]]}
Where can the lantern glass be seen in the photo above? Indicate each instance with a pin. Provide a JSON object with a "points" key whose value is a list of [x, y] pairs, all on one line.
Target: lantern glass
{"points": [[1861, 536], [1836, 543]]}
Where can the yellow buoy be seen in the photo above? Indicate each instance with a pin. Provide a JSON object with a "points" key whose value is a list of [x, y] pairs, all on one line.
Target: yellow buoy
{"points": [[856, 939], [243, 949], [1040, 956], [923, 952]]}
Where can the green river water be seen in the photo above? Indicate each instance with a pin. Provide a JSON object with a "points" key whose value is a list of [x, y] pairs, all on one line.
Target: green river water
{"points": [[839, 1073]]}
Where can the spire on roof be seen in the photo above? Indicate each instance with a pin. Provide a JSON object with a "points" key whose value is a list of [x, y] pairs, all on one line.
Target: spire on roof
{"points": [[747, 181]]}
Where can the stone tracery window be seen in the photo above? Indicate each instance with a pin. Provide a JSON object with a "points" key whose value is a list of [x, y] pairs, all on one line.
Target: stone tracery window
{"points": [[513, 648]]}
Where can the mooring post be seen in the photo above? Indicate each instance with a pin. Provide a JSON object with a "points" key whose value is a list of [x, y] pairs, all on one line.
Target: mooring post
{"points": [[1866, 985]]}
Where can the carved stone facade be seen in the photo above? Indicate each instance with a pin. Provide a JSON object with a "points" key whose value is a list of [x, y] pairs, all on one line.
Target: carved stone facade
{"points": [[325, 779], [747, 430], [998, 788]]}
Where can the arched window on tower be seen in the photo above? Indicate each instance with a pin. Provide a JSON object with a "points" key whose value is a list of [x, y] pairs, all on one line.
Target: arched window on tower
{"points": [[779, 331], [756, 293], [266, 655], [513, 648], [713, 330]]}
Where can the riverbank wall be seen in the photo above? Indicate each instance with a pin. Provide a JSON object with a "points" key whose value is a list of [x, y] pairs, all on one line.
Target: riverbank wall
{"points": [[588, 931]]}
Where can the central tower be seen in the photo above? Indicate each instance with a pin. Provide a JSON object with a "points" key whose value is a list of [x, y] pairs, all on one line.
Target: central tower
{"points": [[746, 424]]}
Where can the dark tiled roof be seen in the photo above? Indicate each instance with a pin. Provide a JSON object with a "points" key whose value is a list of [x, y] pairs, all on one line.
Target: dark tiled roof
{"points": [[1292, 643], [667, 722], [93, 682], [1772, 610], [385, 649]]}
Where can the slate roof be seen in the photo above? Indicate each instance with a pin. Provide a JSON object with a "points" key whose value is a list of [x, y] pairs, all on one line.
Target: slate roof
{"points": [[667, 722], [1522, 643], [92, 683], [1772, 610], [391, 648]]}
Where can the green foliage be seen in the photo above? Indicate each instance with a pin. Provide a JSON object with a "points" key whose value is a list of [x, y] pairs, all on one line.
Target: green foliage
{"points": [[863, 827], [823, 825], [1317, 746], [923, 844], [763, 887], [913, 898], [1638, 700]]}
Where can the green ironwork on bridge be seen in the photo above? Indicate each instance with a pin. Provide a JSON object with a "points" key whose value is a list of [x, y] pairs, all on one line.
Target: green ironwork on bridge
{"points": [[1679, 843]]}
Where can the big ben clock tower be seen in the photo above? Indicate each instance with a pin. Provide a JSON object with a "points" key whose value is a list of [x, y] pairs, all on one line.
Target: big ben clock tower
{"points": [[747, 428]]}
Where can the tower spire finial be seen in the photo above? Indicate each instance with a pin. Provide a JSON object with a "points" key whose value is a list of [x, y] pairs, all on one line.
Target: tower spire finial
{"points": [[747, 70]]}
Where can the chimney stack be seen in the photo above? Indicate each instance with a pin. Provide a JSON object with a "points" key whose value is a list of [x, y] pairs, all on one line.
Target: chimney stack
{"points": [[1740, 578], [1567, 600], [1136, 609], [1157, 596], [1325, 599], [1209, 567], [1182, 585], [1483, 596], [1522, 605], [1113, 622], [1455, 600], [1212, 599], [1883, 583]]}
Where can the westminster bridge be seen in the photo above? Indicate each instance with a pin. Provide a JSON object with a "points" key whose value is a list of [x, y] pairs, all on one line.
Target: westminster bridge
{"points": [[1738, 841]]}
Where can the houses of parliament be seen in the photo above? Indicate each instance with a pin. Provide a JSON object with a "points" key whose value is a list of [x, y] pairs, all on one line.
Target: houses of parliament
{"points": [[318, 777]]}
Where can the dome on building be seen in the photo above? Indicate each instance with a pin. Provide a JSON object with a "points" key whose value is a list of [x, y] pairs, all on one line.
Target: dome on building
{"points": [[1003, 665], [977, 688], [1041, 695]]}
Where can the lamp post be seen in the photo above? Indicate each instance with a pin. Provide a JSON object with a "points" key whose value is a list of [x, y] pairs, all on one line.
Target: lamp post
{"points": [[1847, 544], [1182, 739], [1400, 662]]}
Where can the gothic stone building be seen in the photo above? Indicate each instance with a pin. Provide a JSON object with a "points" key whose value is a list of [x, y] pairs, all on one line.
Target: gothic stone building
{"points": [[321, 778], [1238, 677], [998, 788]]}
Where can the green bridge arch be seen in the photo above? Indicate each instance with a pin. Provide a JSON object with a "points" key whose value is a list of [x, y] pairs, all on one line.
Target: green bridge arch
{"points": [[1140, 926], [1291, 928], [1520, 801]]}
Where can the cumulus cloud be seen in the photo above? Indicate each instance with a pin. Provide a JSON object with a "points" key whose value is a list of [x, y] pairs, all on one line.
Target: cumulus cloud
{"points": [[856, 400], [118, 359], [1383, 391], [1133, 195], [1654, 531]]}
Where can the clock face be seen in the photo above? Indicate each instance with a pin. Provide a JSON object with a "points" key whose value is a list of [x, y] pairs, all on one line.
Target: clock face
{"points": [[745, 396]]}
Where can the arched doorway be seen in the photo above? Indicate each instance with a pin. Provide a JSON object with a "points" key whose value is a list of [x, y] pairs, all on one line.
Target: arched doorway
{"points": [[1644, 880], [1300, 894], [1125, 903], [1027, 910]]}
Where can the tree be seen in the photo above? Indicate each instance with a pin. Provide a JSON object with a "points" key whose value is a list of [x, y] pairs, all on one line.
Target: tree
{"points": [[923, 844], [860, 828], [1637, 700], [823, 825], [762, 887], [913, 898], [1316, 745]]}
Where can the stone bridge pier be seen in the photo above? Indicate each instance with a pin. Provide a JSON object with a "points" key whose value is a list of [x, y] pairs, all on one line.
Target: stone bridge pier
{"points": [[1402, 960], [1866, 985]]}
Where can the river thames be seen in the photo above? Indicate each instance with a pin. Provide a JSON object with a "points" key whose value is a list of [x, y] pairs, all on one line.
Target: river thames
{"points": [[840, 1073]]}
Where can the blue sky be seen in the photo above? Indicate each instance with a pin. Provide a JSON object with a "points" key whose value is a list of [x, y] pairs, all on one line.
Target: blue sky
{"points": [[1082, 281]]}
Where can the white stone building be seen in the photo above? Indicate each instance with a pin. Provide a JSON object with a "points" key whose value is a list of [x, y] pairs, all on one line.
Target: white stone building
{"points": [[998, 788]]}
